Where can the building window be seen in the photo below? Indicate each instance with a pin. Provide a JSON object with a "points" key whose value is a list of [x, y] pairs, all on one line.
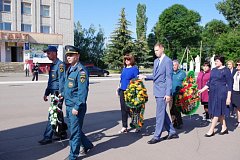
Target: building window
{"points": [[26, 27], [45, 29], [26, 8], [45, 10], [7, 6], [5, 26]]}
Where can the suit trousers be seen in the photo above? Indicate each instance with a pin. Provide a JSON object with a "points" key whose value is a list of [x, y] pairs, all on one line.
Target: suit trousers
{"points": [[162, 119]]}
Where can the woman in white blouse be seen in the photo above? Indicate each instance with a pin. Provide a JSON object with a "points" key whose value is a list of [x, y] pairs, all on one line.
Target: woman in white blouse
{"points": [[236, 92]]}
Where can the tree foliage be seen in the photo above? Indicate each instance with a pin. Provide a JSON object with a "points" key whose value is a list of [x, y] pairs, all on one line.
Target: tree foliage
{"points": [[178, 28], [228, 45], [141, 50], [210, 34], [120, 43], [141, 25], [151, 40], [231, 11], [91, 44]]}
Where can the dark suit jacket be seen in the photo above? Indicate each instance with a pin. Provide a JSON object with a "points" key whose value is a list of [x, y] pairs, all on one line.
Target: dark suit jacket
{"points": [[162, 77]]}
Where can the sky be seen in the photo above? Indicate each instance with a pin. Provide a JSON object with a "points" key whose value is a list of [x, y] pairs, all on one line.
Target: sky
{"points": [[107, 12]]}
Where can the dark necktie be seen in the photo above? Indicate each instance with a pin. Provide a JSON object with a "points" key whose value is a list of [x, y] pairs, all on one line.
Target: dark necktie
{"points": [[158, 63]]}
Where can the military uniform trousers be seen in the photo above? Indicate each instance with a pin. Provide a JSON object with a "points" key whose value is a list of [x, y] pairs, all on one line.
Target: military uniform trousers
{"points": [[77, 138], [48, 131]]}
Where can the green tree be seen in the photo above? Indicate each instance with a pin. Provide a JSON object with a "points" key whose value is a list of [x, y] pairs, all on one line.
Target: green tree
{"points": [[91, 44], [141, 50], [141, 25], [211, 32], [79, 40], [231, 11], [151, 40], [120, 43], [228, 45], [178, 28]]}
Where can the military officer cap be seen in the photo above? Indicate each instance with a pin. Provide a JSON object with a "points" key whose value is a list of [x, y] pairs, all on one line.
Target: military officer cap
{"points": [[71, 49], [50, 49]]}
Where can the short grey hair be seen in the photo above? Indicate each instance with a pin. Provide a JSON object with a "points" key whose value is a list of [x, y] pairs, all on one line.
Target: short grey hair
{"points": [[175, 61]]}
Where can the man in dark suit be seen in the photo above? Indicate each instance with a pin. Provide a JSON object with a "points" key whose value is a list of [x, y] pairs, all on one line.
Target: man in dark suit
{"points": [[162, 88]]}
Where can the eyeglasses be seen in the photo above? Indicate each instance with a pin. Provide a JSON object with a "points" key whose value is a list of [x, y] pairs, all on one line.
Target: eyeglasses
{"points": [[238, 64]]}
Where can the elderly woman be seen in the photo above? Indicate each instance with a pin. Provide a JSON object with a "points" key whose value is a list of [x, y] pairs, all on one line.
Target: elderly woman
{"points": [[129, 72], [231, 66], [220, 88], [236, 92]]}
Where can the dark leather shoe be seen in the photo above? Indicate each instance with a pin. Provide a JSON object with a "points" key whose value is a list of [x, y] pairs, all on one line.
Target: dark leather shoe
{"points": [[153, 141], [84, 151], [45, 141], [207, 135], [173, 136], [224, 132]]}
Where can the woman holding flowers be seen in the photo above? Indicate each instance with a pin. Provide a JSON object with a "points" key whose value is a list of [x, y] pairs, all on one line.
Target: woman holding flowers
{"points": [[129, 72]]}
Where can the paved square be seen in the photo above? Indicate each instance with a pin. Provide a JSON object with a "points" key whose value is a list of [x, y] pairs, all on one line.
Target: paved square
{"points": [[23, 118]]}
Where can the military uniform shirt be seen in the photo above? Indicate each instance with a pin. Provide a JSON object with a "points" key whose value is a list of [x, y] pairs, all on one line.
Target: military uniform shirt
{"points": [[76, 86], [56, 77]]}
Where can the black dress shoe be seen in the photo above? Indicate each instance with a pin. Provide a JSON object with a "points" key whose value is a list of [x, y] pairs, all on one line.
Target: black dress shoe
{"points": [[45, 141], [207, 135], [171, 136], [153, 141], [224, 132]]}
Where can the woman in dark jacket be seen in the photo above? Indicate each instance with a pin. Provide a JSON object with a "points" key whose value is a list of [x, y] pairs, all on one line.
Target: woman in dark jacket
{"points": [[202, 79]]}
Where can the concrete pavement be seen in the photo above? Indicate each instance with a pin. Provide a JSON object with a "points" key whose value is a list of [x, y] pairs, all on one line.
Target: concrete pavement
{"points": [[23, 118]]}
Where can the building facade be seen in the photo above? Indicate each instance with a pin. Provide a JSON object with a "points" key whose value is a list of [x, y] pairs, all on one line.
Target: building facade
{"points": [[29, 26]]}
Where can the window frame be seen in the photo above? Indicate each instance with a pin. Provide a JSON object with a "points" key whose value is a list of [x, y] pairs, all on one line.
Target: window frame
{"points": [[23, 26], [3, 26], [43, 9], [42, 29], [24, 6], [6, 3]]}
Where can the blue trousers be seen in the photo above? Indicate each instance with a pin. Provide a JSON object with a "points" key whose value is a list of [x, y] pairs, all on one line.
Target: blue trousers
{"points": [[162, 119], [77, 137]]}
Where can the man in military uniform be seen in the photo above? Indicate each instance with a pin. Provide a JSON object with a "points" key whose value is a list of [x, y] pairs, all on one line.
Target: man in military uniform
{"points": [[35, 71], [55, 84], [75, 94]]}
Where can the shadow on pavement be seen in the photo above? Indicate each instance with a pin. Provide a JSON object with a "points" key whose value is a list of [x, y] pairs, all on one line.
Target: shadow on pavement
{"points": [[21, 143]]}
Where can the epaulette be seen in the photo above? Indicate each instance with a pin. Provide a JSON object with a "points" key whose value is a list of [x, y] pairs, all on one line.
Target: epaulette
{"points": [[80, 68]]}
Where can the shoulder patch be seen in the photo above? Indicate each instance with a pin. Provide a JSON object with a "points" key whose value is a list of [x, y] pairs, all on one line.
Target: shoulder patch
{"points": [[61, 67], [82, 76]]}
